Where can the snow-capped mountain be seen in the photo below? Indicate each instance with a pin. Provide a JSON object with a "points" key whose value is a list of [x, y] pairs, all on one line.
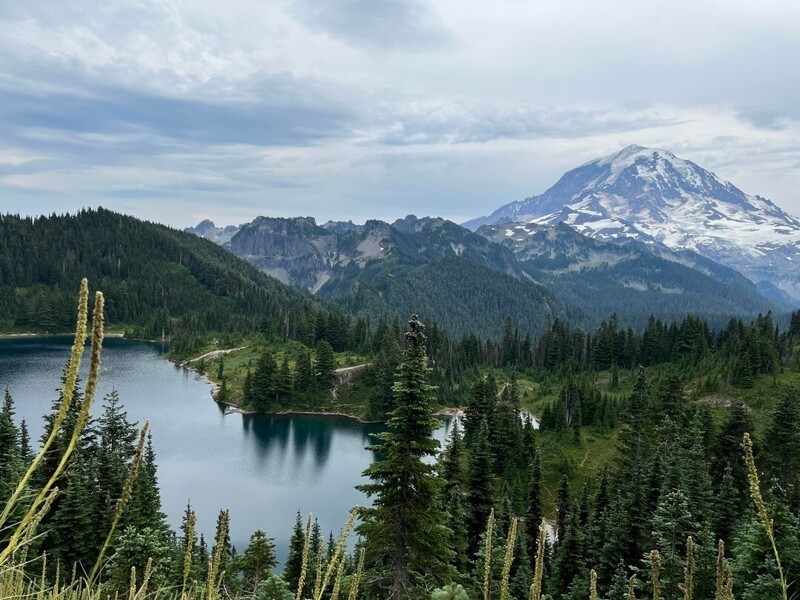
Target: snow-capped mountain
{"points": [[655, 197]]}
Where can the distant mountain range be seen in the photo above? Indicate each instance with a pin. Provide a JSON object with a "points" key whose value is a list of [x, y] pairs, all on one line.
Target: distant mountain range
{"points": [[654, 197], [471, 281]]}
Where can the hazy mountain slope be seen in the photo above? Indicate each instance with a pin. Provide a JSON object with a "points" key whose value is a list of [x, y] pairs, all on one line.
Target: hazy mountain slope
{"points": [[625, 278], [461, 296]]}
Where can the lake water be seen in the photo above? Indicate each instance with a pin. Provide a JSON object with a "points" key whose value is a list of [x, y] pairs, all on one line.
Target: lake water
{"points": [[263, 468]]}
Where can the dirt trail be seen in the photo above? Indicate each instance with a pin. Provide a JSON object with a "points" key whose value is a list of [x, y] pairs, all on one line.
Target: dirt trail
{"points": [[213, 354]]}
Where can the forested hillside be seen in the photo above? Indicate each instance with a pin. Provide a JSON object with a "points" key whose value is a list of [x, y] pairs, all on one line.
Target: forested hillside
{"points": [[159, 282], [669, 501]]}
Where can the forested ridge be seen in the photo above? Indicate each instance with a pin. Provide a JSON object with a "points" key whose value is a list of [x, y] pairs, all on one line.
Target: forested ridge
{"points": [[682, 507], [159, 282]]}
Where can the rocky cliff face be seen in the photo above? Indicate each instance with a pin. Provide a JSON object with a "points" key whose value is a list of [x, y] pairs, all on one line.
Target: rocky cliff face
{"points": [[301, 253]]}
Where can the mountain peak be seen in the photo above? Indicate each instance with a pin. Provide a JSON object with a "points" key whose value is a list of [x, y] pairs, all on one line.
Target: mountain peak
{"points": [[653, 196]]}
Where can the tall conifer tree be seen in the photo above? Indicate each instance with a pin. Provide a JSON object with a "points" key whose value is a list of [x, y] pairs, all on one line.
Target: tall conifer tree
{"points": [[404, 531]]}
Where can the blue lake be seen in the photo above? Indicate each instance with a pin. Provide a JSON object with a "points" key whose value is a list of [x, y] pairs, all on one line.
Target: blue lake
{"points": [[263, 468]]}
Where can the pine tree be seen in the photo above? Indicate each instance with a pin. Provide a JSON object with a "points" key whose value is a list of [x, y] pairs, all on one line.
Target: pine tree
{"points": [[263, 382], [72, 533], [188, 539], [452, 470], [535, 512], [386, 363], [562, 508], [325, 365], [303, 374], [257, 560], [117, 445], [144, 508], [284, 381], [404, 534], [783, 440], [294, 561], [25, 450], [10, 452], [480, 495]]}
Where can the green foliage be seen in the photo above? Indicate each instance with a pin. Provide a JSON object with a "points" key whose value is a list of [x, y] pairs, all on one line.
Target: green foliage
{"points": [[274, 588], [404, 533], [256, 562]]}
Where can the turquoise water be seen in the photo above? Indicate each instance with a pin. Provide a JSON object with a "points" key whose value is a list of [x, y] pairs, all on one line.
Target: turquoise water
{"points": [[263, 468]]}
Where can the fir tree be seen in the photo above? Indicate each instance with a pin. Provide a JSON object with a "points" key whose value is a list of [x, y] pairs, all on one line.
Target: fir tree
{"points": [[405, 538], [535, 512], [562, 508], [256, 562], [10, 452], [325, 365], [303, 374], [294, 561], [480, 495]]}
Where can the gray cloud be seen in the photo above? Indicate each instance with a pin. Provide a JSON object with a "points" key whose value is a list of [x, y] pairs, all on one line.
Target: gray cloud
{"points": [[414, 123], [383, 24], [361, 108]]}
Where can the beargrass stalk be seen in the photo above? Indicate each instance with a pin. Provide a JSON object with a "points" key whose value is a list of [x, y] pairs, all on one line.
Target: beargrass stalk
{"points": [[632, 588], [304, 565], [187, 557], [593, 585], [720, 593], [487, 556], [148, 571], [318, 574], [509, 558], [337, 553], [655, 573], [132, 585], [688, 574], [538, 571], [66, 399], [337, 583], [357, 578], [213, 566], [83, 416], [43, 577], [761, 507]]}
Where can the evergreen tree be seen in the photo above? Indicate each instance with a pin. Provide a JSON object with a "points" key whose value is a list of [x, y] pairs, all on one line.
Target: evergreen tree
{"points": [[10, 451], [480, 495], [535, 512], [294, 561], [386, 363], [325, 365], [26, 453], [783, 440], [303, 374], [144, 507], [117, 445], [405, 538], [562, 508], [256, 562]]}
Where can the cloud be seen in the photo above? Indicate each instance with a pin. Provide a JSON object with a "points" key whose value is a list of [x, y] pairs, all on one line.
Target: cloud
{"points": [[124, 111], [451, 123], [359, 108], [385, 24]]}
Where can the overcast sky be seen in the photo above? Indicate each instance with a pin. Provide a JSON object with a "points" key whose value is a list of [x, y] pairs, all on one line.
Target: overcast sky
{"points": [[177, 111]]}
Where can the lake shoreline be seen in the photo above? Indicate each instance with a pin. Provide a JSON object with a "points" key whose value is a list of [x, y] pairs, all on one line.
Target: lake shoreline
{"points": [[454, 412], [52, 335]]}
